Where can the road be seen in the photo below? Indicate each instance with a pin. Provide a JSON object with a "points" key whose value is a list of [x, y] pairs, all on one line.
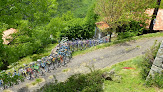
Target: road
{"points": [[100, 58]]}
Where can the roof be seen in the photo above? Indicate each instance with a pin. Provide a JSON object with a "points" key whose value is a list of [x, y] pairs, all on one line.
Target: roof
{"points": [[159, 19], [102, 25], [6, 35]]}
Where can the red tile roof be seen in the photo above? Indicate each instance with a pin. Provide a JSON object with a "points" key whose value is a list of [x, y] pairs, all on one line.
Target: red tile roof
{"points": [[102, 25], [6, 35]]}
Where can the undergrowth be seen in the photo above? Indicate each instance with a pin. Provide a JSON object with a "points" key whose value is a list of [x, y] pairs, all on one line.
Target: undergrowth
{"points": [[91, 82], [148, 59]]}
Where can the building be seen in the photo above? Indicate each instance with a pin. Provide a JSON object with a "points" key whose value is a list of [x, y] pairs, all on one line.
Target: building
{"points": [[158, 22], [100, 27]]}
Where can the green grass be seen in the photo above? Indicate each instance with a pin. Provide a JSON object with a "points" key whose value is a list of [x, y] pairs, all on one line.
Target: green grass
{"points": [[35, 82], [131, 79], [66, 70], [115, 41], [6, 90]]}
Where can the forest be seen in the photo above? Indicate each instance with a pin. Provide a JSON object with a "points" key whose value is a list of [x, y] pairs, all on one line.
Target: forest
{"points": [[36, 20]]}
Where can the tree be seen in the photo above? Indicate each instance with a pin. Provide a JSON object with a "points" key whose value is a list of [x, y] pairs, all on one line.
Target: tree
{"points": [[28, 17], [111, 12], [154, 15], [119, 12], [1, 50], [37, 12]]}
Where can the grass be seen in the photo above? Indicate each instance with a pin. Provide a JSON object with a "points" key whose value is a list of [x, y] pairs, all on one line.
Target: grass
{"points": [[115, 41], [66, 70], [34, 83], [131, 79], [26, 60], [7, 90], [50, 77]]}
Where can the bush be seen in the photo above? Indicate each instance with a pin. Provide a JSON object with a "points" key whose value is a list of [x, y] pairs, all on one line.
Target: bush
{"points": [[91, 82], [148, 60], [156, 81], [130, 30], [38, 56]]}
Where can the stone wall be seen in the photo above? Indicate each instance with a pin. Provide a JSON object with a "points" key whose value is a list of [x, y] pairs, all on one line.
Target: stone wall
{"points": [[157, 66]]}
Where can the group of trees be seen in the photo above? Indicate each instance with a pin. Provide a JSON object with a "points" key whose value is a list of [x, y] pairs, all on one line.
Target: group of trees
{"points": [[119, 13], [35, 21]]}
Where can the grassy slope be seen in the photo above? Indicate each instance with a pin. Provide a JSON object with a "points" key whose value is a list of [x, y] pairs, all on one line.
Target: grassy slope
{"points": [[28, 59], [131, 79]]}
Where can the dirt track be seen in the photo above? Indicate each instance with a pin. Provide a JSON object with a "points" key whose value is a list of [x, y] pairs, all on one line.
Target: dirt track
{"points": [[99, 58]]}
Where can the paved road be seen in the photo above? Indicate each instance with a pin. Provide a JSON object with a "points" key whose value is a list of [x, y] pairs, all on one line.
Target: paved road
{"points": [[99, 59]]}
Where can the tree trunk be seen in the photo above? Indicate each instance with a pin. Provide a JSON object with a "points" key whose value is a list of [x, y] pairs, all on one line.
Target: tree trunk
{"points": [[154, 16], [110, 37], [5, 64]]}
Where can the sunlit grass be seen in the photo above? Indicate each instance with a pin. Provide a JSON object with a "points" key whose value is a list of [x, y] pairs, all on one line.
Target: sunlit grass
{"points": [[7, 90], [131, 79], [35, 82], [66, 70]]}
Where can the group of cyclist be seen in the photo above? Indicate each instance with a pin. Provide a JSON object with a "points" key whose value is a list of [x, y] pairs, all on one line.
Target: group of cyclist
{"points": [[39, 67], [81, 44], [60, 57]]}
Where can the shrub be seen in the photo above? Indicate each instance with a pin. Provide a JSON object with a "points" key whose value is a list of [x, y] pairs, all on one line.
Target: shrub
{"points": [[148, 60], [91, 82], [38, 56], [130, 30], [157, 80]]}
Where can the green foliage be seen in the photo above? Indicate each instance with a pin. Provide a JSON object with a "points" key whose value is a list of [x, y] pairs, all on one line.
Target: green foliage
{"points": [[34, 11], [161, 5], [38, 56], [77, 7], [131, 79], [8, 80], [91, 82], [157, 80], [148, 60], [117, 13], [1, 49], [35, 21], [130, 30], [79, 27]]}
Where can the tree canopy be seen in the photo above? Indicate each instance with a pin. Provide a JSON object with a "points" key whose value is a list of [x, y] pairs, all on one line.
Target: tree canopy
{"points": [[35, 21], [117, 13]]}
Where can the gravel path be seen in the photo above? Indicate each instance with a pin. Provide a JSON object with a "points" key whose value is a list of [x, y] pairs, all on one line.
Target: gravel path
{"points": [[99, 59]]}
